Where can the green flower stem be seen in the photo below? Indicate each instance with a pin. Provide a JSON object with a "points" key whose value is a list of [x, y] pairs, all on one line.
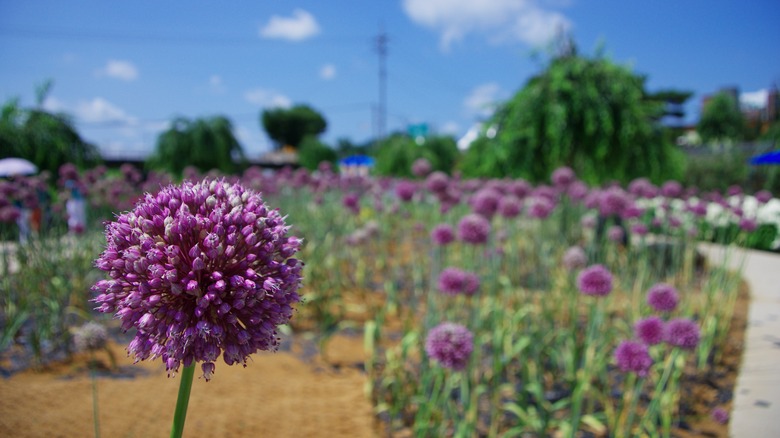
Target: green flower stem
{"points": [[183, 400]]}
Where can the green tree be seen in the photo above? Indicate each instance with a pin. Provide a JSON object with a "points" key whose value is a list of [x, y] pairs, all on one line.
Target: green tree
{"points": [[206, 143], [312, 152], [587, 113], [288, 127], [396, 154], [47, 139], [721, 120]]}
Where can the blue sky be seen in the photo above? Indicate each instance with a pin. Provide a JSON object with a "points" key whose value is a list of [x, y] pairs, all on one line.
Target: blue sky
{"points": [[123, 70]]}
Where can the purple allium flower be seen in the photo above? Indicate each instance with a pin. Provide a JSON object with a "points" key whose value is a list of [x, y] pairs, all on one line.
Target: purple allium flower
{"points": [[90, 336], [541, 207], [520, 188], [200, 270], [748, 224], [442, 234], [588, 221], [642, 188], [595, 280], [577, 190], [450, 344], [437, 182], [639, 229], [485, 202], [453, 281], [671, 189], [632, 356], [663, 297], [682, 333], [615, 233], [763, 196], [720, 415], [510, 206], [474, 229], [734, 190], [613, 201], [405, 190], [562, 177], [574, 258], [352, 202], [421, 167], [650, 330]]}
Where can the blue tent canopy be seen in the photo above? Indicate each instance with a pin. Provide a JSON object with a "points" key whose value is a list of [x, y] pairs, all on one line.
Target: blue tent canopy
{"points": [[767, 158], [357, 160]]}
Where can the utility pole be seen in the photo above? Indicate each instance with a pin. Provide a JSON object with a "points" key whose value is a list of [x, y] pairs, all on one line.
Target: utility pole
{"points": [[381, 112]]}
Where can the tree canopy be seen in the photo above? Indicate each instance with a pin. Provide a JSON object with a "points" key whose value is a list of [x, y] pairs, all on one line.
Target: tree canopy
{"points": [[206, 143], [586, 113], [396, 153], [47, 139], [289, 126], [721, 120]]}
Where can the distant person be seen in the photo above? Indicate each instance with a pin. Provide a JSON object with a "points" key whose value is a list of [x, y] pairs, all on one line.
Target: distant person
{"points": [[76, 209], [23, 222]]}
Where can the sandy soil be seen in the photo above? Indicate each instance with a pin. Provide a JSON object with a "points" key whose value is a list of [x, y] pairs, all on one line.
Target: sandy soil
{"points": [[280, 394]]}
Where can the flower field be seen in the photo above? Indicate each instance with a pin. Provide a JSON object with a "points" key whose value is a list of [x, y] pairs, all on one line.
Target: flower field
{"points": [[485, 307]]}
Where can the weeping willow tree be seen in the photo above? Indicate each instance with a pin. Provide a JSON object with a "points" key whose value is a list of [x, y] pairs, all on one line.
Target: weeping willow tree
{"points": [[45, 138], [206, 144], [587, 113]]}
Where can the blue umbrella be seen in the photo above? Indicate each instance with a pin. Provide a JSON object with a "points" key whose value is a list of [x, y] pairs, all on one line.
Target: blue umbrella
{"points": [[767, 158]]}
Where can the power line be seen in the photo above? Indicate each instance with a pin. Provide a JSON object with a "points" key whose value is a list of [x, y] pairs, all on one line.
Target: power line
{"points": [[381, 49], [134, 38]]}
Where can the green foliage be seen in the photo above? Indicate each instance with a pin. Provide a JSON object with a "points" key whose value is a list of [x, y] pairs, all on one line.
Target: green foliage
{"points": [[396, 154], [716, 171], [442, 152], [312, 152], [204, 143], [49, 140], [288, 127], [589, 114], [721, 120]]}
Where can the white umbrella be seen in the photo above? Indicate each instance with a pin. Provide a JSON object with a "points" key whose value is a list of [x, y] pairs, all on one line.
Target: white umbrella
{"points": [[16, 166]]}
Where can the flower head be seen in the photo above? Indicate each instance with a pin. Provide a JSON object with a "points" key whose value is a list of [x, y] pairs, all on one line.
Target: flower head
{"points": [[650, 330], [442, 234], [563, 176], [474, 228], [682, 333], [421, 167], [485, 202], [663, 297], [453, 281], [510, 206], [632, 356], [405, 190], [450, 344], [720, 415], [90, 336], [574, 258], [595, 280], [200, 270]]}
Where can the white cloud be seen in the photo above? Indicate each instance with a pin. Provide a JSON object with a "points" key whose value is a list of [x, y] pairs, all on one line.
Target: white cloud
{"points": [[483, 100], [754, 99], [267, 98], [300, 26], [216, 84], [117, 69], [450, 128], [328, 71], [96, 110], [499, 20]]}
